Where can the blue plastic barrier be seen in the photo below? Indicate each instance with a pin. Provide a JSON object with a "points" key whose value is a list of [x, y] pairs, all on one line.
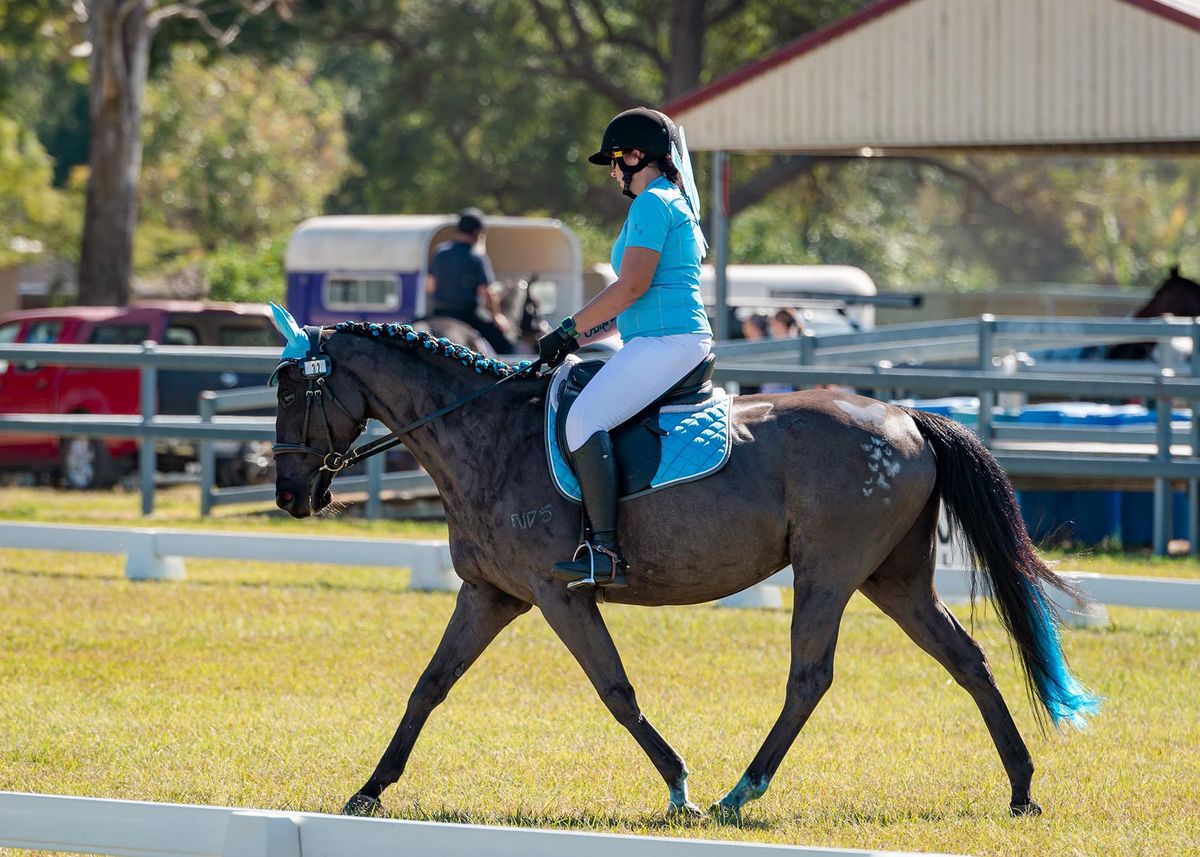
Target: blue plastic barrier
{"points": [[1083, 517]]}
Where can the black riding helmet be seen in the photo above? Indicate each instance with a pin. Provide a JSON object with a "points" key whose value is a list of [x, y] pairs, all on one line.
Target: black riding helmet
{"points": [[641, 128]]}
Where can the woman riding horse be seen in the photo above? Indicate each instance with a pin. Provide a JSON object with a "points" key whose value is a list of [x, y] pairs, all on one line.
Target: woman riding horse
{"points": [[845, 489], [655, 304]]}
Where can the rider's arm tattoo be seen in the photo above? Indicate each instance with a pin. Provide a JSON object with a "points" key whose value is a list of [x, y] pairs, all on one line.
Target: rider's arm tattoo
{"points": [[601, 328]]}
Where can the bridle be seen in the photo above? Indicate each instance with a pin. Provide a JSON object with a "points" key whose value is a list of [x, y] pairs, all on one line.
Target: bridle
{"points": [[316, 367]]}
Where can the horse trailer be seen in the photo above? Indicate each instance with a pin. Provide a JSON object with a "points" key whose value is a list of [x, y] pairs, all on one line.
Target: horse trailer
{"points": [[373, 267]]}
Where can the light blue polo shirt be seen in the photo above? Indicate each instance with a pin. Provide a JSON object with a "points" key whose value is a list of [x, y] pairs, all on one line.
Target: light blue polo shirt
{"points": [[661, 219]]}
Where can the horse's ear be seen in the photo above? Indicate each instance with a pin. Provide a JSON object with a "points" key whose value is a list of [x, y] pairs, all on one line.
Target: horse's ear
{"points": [[297, 339], [1174, 271]]}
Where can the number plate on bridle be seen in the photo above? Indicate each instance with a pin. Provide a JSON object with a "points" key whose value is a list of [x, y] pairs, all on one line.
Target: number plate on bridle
{"points": [[315, 367]]}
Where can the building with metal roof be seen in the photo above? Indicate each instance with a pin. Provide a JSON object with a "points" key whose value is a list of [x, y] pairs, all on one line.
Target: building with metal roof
{"points": [[920, 76]]}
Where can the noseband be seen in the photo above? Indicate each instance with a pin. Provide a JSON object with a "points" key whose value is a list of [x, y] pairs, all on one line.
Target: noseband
{"points": [[316, 367]]}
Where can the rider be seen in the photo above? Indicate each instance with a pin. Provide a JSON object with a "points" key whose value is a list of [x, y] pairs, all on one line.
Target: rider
{"points": [[656, 304], [458, 281]]}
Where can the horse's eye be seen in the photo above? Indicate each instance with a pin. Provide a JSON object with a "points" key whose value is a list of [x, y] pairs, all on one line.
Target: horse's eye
{"points": [[287, 398]]}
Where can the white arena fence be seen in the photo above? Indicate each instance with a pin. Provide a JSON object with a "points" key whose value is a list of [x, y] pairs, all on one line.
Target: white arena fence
{"points": [[158, 554], [138, 829]]}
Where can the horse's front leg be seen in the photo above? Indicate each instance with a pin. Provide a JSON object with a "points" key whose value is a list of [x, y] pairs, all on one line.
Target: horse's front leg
{"points": [[482, 612], [816, 614], [578, 623]]}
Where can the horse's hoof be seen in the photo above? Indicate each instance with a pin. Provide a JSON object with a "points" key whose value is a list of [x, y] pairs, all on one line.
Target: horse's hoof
{"points": [[723, 814], [1022, 810], [361, 805], [684, 810]]}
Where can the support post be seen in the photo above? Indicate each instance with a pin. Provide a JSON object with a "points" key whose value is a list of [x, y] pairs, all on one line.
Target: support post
{"points": [[1162, 485], [987, 398], [147, 454], [375, 487], [208, 455], [720, 243], [1194, 441]]}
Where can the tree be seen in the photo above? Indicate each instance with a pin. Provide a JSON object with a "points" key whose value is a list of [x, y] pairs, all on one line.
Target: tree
{"points": [[29, 205], [120, 33], [239, 151], [496, 102]]}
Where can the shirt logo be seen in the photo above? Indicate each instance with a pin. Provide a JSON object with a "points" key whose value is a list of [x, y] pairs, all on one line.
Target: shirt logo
{"points": [[637, 227]]}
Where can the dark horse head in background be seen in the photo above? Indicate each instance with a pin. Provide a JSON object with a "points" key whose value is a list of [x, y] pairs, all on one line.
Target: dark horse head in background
{"points": [[1177, 296], [845, 489]]}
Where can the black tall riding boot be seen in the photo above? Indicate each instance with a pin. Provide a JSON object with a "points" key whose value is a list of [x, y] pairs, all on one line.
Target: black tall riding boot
{"points": [[597, 562]]}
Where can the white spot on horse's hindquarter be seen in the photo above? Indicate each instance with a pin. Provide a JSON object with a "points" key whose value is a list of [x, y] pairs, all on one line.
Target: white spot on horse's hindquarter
{"points": [[872, 415]]}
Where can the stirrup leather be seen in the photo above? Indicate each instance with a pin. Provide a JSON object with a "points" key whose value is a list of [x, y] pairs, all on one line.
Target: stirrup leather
{"points": [[615, 565]]}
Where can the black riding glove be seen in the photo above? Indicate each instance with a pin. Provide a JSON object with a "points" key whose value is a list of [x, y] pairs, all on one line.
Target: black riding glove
{"points": [[554, 347]]}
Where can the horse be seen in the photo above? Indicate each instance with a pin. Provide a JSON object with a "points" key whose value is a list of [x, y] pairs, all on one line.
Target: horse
{"points": [[517, 304], [1177, 296], [844, 488]]}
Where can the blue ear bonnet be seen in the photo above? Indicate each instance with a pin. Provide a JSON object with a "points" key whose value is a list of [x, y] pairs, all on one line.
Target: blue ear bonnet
{"points": [[297, 339], [303, 347]]}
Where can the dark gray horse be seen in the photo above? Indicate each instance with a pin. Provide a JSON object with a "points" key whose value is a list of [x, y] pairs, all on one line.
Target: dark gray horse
{"points": [[843, 488]]}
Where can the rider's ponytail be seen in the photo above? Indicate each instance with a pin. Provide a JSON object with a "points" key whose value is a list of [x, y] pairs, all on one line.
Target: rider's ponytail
{"points": [[666, 166]]}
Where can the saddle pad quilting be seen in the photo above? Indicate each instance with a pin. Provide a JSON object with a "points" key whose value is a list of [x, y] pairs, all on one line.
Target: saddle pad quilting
{"points": [[697, 443]]}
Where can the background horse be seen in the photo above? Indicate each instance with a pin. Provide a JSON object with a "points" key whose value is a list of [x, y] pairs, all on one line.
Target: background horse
{"points": [[844, 488], [1177, 296], [517, 304]]}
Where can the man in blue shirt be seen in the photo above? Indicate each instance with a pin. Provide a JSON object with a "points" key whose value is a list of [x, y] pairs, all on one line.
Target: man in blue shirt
{"points": [[458, 281]]}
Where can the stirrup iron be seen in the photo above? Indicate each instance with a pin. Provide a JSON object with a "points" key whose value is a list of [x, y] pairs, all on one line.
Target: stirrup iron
{"points": [[615, 562]]}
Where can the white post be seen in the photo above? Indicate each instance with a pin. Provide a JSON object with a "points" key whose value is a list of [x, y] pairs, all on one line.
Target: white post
{"points": [[256, 834], [433, 570], [142, 562]]}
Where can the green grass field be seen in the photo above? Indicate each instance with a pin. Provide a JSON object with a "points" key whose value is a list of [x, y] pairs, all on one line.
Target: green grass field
{"points": [[278, 686]]}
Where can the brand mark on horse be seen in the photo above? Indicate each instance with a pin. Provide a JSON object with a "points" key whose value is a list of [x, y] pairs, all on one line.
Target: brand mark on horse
{"points": [[526, 520]]}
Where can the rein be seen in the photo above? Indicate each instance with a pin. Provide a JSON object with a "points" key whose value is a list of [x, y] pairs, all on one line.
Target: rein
{"points": [[316, 367]]}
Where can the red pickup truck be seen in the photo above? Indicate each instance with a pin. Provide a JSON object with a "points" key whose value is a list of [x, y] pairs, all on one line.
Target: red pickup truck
{"points": [[34, 388]]}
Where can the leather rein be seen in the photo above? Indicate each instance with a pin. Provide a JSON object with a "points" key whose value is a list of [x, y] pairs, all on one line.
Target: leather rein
{"points": [[316, 368]]}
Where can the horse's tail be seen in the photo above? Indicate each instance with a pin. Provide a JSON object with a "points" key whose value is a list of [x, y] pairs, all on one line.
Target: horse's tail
{"points": [[980, 503]]}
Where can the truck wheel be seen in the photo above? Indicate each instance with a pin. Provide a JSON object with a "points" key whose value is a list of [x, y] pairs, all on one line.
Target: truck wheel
{"points": [[85, 464]]}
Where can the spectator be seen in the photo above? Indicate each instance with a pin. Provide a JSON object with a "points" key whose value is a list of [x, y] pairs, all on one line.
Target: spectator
{"points": [[756, 326], [784, 324], [458, 281]]}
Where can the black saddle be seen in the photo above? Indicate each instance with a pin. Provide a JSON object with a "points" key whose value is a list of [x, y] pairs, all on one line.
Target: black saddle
{"points": [[637, 442]]}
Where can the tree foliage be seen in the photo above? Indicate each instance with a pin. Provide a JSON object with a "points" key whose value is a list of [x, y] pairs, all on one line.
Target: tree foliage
{"points": [[30, 207], [429, 105], [238, 151]]}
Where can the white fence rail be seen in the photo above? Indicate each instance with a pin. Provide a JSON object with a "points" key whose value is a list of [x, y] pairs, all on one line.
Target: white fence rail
{"points": [[159, 554], [139, 829]]}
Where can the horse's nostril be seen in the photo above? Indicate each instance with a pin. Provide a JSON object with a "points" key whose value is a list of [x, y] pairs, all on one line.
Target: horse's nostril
{"points": [[284, 496]]}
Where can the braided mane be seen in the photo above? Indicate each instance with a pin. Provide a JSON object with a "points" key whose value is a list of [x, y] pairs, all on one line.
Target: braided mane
{"points": [[409, 335]]}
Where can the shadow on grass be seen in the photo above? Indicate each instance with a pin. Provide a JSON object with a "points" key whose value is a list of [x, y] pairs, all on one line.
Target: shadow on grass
{"points": [[607, 822], [660, 823], [323, 585]]}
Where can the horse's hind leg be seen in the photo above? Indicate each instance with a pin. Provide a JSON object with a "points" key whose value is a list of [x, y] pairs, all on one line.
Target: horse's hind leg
{"points": [[578, 623], [902, 587], [816, 614], [481, 612]]}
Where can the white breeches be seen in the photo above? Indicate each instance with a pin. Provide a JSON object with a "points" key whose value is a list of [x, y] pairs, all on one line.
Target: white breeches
{"points": [[644, 369]]}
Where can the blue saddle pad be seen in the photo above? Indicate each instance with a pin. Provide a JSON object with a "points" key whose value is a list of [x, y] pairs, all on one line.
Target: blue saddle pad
{"points": [[697, 442]]}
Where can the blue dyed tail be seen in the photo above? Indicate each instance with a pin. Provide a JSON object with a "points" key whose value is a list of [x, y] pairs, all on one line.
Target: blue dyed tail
{"points": [[980, 502]]}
